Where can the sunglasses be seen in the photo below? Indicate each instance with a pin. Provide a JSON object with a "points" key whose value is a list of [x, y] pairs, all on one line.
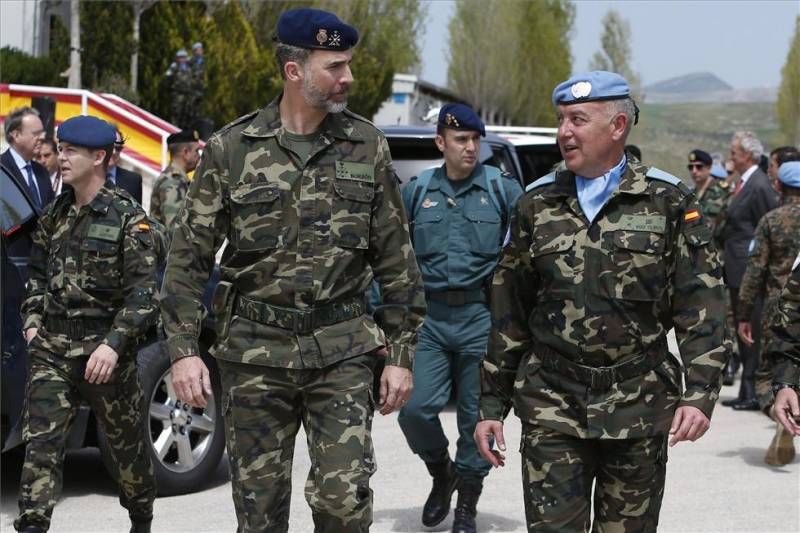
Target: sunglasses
{"points": [[695, 165]]}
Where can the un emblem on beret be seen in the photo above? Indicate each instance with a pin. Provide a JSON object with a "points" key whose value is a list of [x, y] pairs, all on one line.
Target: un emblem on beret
{"points": [[322, 36], [581, 89]]}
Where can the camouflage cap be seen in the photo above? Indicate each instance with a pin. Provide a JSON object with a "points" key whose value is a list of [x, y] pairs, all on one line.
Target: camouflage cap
{"points": [[314, 28]]}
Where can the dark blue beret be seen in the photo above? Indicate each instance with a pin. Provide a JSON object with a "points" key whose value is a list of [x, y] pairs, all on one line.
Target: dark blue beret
{"points": [[88, 131], [461, 117], [314, 28], [700, 156], [183, 136], [591, 86]]}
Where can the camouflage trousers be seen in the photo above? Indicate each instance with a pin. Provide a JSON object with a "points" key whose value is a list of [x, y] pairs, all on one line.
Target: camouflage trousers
{"points": [[55, 389], [558, 471], [264, 408]]}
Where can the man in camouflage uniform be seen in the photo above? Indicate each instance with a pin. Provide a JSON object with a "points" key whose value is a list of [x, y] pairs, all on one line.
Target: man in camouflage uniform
{"points": [[90, 299], [170, 187], [784, 350], [711, 194], [604, 259], [180, 81], [776, 242], [305, 193], [198, 65]]}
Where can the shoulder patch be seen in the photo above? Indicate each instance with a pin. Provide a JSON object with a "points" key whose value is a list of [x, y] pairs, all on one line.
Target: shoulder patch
{"points": [[723, 184], [658, 174], [544, 180]]}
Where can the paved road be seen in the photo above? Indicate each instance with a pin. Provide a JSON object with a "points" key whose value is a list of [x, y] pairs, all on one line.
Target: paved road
{"points": [[717, 484]]}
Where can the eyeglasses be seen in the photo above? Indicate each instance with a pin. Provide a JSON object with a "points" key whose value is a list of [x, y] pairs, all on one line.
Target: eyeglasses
{"points": [[691, 166]]}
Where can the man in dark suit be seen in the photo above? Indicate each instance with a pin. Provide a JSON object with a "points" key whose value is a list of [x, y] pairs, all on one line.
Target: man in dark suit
{"points": [[123, 178], [752, 198]]}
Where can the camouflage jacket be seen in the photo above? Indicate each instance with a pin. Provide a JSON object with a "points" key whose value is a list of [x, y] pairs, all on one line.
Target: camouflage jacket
{"points": [[712, 200], [180, 79], [601, 294], [168, 193], [772, 251], [299, 236], [94, 262], [784, 346]]}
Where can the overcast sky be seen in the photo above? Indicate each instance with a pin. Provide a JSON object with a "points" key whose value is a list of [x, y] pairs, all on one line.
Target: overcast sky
{"points": [[743, 42]]}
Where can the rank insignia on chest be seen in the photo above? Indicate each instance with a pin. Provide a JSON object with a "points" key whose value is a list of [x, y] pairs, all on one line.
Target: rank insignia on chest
{"points": [[484, 200], [427, 203]]}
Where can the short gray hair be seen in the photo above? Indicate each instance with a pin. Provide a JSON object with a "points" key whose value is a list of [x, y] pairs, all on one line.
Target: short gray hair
{"points": [[14, 120], [285, 53], [625, 106], [749, 143]]}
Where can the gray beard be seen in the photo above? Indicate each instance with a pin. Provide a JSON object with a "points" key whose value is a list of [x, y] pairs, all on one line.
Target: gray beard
{"points": [[316, 98]]}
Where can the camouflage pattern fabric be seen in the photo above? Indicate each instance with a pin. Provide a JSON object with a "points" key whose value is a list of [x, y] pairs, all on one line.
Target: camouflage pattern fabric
{"points": [[169, 191], [263, 412], [180, 81], [91, 265], [557, 474], [299, 236], [198, 66], [775, 245], [600, 295], [784, 348], [712, 199]]}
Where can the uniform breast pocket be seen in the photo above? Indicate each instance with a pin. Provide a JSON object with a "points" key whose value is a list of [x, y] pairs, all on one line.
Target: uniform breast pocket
{"points": [[256, 217], [554, 260], [101, 264], [635, 269], [429, 232], [485, 228], [351, 213]]}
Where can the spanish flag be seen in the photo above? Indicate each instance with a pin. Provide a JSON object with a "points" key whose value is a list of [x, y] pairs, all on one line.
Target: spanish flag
{"points": [[691, 215]]}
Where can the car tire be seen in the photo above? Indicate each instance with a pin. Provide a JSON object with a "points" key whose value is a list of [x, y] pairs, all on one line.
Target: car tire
{"points": [[185, 443]]}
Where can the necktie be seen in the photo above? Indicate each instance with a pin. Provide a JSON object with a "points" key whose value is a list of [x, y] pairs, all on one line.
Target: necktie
{"points": [[32, 186], [739, 185]]}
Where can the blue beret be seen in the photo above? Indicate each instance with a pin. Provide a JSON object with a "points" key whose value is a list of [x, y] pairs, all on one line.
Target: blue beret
{"points": [[461, 117], [789, 173], [181, 53], [314, 28], [718, 171], [88, 131], [700, 156], [591, 86]]}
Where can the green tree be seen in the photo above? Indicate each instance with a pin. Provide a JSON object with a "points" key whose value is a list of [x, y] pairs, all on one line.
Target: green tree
{"points": [[615, 53], [787, 108], [106, 43]]}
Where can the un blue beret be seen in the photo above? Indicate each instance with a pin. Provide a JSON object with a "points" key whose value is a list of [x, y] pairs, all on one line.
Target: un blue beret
{"points": [[701, 156], [314, 28], [88, 131], [461, 117], [718, 171], [789, 173], [591, 86], [181, 53]]}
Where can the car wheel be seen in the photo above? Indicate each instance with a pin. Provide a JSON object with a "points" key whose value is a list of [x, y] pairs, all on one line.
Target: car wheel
{"points": [[185, 443]]}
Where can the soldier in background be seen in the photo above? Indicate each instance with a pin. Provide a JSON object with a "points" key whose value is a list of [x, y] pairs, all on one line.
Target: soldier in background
{"points": [[711, 194], [180, 81], [772, 252], [170, 187], [604, 259], [82, 326], [777, 157], [198, 65], [784, 350], [305, 193]]}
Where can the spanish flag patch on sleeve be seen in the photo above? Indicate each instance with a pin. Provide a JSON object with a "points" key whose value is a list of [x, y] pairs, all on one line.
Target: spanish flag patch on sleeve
{"points": [[143, 226], [691, 215]]}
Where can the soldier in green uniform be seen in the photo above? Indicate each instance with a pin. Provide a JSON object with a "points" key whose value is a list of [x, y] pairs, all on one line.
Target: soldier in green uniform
{"points": [[170, 187], [604, 259], [90, 299], [305, 193], [198, 65], [784, 350], [459, 214], [180, 81], [772, 251], [711, 193]]}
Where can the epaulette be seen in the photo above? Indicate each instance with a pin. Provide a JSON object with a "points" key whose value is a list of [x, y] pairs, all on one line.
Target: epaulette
{"points": [[547, 179], [129, 204], [358, 117], [658, 174], [508, 175], [236, 122]]}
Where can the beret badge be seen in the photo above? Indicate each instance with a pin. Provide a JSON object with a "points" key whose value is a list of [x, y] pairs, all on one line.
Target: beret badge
{"points": [[581, 89]]}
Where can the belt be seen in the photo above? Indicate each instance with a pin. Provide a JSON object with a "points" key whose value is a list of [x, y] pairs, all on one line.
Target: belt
{"points": [[601, 378], [456, 297], [77, 328], [299, 320]]}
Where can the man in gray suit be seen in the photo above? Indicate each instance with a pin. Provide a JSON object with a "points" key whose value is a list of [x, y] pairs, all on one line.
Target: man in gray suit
{"points": [[752, 198]]}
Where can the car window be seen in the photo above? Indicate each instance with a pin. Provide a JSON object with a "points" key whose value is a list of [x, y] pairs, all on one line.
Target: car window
{"points": [[501, 158], [537, 160], [15, 206]]}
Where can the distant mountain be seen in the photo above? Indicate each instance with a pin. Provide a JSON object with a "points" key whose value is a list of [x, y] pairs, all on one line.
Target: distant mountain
{"points": [[704, 87]]}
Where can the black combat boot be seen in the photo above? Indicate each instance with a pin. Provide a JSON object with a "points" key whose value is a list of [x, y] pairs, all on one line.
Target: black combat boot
{"points": [[464, 516], [140, 527], [445, 481]]}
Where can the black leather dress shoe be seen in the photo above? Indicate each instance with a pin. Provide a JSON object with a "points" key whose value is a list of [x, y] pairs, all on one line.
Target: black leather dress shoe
{"points": [[728, 377], [746, 405], [731, 402]]}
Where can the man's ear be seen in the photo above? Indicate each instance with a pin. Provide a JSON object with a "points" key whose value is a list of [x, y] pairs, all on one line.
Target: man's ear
{"points": [[440, 142], [293, 71], [620, 124]]}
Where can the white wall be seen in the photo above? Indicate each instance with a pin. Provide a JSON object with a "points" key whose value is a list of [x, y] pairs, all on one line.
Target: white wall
{"points": [[17, 24]]}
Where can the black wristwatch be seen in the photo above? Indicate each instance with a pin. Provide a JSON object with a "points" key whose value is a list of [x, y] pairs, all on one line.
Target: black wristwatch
{"points": [[778, 386]]}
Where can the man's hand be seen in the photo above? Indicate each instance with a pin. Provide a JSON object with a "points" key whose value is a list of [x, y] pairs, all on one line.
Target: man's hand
{"points": [[485, 431], [396, 386], [101, 364], [745, 331], [689, 423], [191, 381], [30, 333], [787, 410]]}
